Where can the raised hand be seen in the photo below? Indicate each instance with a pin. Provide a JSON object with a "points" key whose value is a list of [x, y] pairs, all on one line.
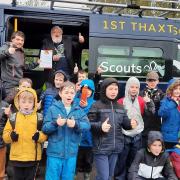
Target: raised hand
{"points": [[76, 69], [60, 121], [105, 126], [7, 110], [146, 97], [81, 38], [71, 123], [12, 49]]}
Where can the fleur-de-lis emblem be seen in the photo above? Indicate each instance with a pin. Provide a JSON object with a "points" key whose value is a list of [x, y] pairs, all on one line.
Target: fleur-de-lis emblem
{"points": [[153, 66]]}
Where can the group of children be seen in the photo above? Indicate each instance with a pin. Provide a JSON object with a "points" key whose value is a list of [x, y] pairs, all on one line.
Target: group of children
{"points": [[110, 131]]}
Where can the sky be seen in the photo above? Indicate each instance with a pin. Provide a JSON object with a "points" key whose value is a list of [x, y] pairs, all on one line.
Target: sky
{"points": [[5, 1]]}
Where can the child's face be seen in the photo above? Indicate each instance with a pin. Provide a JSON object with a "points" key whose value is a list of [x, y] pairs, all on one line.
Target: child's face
{"points": [[112, 91], [67, 95], [133, 90], [152, 83], [26, 103], [81, 76], [58, 80], [89, 92], [176, 92], [24, 84], [156, 147]]}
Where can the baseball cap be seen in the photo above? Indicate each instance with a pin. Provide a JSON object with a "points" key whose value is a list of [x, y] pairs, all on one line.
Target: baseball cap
{"points": [[152, 75]]}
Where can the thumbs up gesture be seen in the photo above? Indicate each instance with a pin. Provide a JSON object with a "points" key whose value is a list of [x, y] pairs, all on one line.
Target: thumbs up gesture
{"points": [[76, 69], [7, 110], [146, 97], [81, 38], [105, 126], [60, 121], [12, 49], [71, 122]]}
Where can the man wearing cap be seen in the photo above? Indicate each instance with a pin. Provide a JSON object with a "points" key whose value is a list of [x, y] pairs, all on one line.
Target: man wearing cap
{"points": [[152, 121], [63, 50]]}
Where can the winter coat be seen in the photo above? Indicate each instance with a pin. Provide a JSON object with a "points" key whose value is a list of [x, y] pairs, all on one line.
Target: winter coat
{"points": [[148, 166], [113, 141], [152, 121], [12, 66], [68, 50], [63, 141], [3, 120], [170, 119], [86, 140], [24, 149]]}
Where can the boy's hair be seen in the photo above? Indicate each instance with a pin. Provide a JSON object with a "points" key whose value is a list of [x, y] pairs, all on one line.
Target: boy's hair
{"points": [[25, 80], [26, 94], [81, 71], [18, 33], [59, 74], [170, 89], [67, 84]]}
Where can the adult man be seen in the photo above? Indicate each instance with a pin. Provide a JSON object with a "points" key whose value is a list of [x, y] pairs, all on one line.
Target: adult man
{"points": [[12, 61], [63, 48]]}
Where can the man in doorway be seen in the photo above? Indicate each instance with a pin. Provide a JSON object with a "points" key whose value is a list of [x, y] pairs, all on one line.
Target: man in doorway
{"points": [[13, 62], [64, 48]]}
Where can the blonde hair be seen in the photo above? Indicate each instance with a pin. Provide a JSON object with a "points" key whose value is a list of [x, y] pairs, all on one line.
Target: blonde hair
{"points": [[67, 84], [25, 80], [26, 95], [171, 88]]}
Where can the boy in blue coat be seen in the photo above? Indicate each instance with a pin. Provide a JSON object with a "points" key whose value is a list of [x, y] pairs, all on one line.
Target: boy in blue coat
{"points": [[63, 124]]}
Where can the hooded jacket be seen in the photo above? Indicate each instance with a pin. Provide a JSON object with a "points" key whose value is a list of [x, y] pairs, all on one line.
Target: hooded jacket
{"points": [[86, 140], [113, 141], [63, 141], [48, 96], [170, 118], [26, 126], [136, 108], [12, 66], [148, 166]]}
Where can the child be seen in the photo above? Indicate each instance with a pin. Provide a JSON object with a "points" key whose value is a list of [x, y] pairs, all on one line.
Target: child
{"points": [[152, 162], [136, 107], [63, 124], [3, 119], [170, 113], [23, 83], [48, 96], [107, 118], [22, 131], [153, 121], [85, 156]]}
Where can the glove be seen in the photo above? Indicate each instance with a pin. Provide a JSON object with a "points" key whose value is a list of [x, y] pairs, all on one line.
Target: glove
{"points": [[14, 136], [35, 137]]}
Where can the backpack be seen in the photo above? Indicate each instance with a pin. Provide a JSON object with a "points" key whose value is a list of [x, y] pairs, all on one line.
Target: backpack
{"points": [[13, 117]]}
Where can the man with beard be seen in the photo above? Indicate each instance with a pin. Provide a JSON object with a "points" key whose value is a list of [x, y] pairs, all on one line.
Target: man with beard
{"points": [[63, 48], [13, 62]]}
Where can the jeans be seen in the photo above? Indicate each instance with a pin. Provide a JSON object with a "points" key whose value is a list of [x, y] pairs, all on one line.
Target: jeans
{"points": [[105, 165], [126, 157]]}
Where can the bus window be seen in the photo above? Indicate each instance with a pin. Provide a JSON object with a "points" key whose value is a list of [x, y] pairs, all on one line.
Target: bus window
{"points": [[176, 64], [121, 61]]}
